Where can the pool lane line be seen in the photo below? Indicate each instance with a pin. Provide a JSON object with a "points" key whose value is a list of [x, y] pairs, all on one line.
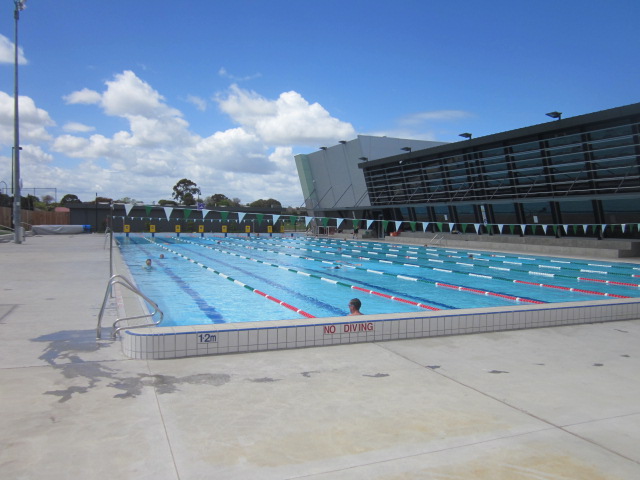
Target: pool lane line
{"points": [[203, 305], [404, 277], [319, 277], [571, 289], [238, 282], [478, 255]]}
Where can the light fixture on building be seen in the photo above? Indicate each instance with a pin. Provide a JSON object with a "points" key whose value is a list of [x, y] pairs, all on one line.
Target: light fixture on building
{"points": [[466, 135], [323, 148], [342, 142], [556, 115], [406, 149], [364, 159]]}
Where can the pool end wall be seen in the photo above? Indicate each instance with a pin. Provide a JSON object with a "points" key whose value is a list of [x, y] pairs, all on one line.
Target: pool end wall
{"points": [[200, 340]]}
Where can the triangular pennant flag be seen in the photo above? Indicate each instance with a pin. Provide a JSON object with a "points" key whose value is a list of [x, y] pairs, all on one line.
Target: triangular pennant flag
{"points": [[127, 208], [339, 221], [259, 217], [464, 227], [355, 223], [147, 209], [413, 226], [275, 218], [555, 229], [325, 221], [566, 228], [575, 229], [584, 227], [500, 226], [204, 213], [624, 227], [224, 216], [477, 225], [439, 225], [307, 221], [452, 227], [241, 216], [293, 219], [544, 228], [385, 224], [425, 225], [511, 228], [604, 227], [187, 213], [534, 228], [398, 225], [523, 228], [369, 222], [167, 212]]}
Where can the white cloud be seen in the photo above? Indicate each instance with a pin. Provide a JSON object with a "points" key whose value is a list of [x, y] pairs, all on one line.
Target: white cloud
{"points": [[84, 97], [7, 52], [200, 103], [436, 115], [224, 73], [33, 120], [77, 127], [157, 148], [288, 120]]}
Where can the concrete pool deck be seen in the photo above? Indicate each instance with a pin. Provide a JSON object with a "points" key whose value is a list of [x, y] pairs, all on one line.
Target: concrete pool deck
{"points": [[549, 403]]}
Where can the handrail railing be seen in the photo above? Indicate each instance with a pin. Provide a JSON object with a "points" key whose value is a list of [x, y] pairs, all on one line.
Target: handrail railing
{"points": [[438, 237], [120, 280]]}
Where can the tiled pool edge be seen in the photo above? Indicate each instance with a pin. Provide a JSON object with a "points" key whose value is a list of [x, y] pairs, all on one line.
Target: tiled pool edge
{"points": [[200, 340]]}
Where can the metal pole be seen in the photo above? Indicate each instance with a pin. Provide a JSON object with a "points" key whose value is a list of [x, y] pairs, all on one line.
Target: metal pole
{"points": [[17, 224]]}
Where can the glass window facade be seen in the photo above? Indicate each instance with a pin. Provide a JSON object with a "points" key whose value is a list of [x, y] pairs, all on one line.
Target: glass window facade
{"points": [[548, 173]]}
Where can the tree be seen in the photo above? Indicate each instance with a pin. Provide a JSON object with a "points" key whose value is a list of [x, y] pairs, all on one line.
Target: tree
{"points": [[167, 203], [268, 203], [69, 198], [127, 200], [47, 199], [184, 191], [218, 200]]}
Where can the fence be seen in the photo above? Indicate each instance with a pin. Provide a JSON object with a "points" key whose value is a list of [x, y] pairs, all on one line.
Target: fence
{"points": [[34, 217]]}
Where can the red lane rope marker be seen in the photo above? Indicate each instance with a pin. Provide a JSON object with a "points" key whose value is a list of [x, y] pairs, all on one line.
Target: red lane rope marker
{"points": [[609, 282], [238, 282], [325, 279], [572, 289]]}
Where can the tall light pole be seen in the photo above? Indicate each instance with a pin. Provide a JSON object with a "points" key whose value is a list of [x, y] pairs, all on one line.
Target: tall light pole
{"points": [[17, 224]]}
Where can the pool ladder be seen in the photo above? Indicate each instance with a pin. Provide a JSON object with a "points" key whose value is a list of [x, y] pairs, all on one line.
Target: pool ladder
{"points": [[120, 280]]}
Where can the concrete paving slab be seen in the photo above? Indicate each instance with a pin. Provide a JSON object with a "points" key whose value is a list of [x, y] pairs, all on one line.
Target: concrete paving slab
{"points": [[556, 403]]}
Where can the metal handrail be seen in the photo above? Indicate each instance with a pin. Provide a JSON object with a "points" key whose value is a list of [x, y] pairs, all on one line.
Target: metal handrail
{"points": [[438, 237], [119, 279]]}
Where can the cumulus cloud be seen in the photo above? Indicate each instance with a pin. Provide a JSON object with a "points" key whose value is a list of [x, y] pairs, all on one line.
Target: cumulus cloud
{"points": [[290, 119], [33, 120], [156, 148], [7, 52]]}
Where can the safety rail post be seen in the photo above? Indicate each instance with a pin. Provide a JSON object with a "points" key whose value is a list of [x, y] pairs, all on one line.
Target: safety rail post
{"points": [[120, 280]]}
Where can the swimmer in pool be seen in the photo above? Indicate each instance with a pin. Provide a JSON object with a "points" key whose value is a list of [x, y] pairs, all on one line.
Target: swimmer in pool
{"points": [[354, 306], [147, 264]]}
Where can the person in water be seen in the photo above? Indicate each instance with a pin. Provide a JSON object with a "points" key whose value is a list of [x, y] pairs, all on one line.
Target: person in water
{"points": [[354, 306], [147, 264]]}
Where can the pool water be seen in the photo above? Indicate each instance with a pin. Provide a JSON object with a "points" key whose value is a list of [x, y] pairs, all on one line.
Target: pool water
{"points": [[238, 278]]}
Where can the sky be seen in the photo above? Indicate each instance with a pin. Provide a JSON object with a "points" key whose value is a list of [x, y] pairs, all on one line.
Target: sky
{"points": [[125, 98]]}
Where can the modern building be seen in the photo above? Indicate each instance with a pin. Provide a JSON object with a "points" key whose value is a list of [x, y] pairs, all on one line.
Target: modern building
{"points": [[581, 173], [332, 180]]}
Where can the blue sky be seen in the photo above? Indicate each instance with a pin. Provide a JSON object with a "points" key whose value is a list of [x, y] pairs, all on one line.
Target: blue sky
{"points": [[124, 99]]}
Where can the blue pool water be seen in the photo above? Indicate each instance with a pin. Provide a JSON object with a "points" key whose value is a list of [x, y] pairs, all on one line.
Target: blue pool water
{"points": [[217, 279]]}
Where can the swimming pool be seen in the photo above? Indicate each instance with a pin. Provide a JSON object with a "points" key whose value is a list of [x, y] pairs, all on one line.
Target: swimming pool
{"points": [[217, 279]]}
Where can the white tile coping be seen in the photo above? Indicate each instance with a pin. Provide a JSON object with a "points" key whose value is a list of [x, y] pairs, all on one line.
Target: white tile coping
{"points": [[216, 339]]}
